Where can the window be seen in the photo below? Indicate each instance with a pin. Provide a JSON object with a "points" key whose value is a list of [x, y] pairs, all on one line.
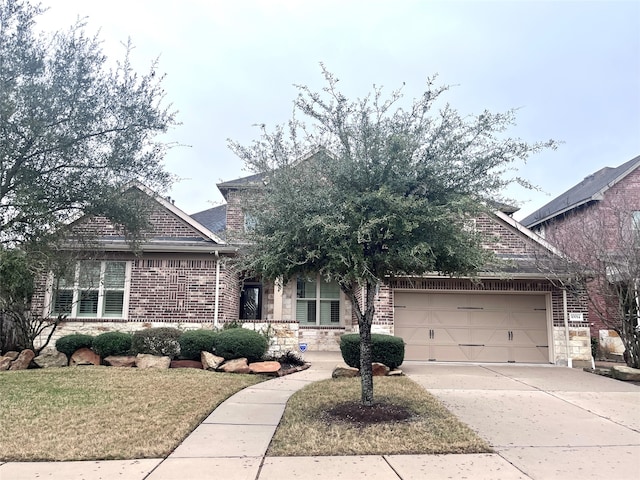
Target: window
{"points": [[249, 222], [317, 302], [635, 222], [93, 289]]}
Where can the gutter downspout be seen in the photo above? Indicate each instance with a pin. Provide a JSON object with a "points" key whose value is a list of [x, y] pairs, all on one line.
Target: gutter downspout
{"points": [[217, 291], [566, 327]]}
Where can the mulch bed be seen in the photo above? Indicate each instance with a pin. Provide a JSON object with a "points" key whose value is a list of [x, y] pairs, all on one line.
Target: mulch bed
{"points": [[359, 415]]}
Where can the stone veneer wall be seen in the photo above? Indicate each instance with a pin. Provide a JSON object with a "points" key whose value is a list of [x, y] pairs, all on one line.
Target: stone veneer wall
{"points": [[579, 344]]}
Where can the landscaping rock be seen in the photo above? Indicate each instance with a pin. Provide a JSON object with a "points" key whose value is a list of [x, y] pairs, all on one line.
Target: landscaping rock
{"points": [[12, 354], [344, 371], [628, 374], [210, 361], [23, 360], [121, 361], [50, 357], [395, 373], [237, 365], [5, 363], [145, 360], [84, 356], [379, 369], [185, 364], [265, 367]]}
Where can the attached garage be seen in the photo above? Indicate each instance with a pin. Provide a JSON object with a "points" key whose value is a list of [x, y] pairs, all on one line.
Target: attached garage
{"points": [[473, 327]]}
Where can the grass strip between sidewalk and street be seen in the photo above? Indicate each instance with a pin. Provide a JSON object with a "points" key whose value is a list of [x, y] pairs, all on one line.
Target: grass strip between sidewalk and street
{"points": [[102, 413], [306, 429]]}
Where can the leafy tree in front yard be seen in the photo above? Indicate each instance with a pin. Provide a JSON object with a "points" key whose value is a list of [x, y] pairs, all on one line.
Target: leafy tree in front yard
{"points": [[388, 191], [74, 131]]}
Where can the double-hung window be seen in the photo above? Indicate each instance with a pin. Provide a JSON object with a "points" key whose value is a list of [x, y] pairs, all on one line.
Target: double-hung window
{"points": [[317, 302], [93, 289]]}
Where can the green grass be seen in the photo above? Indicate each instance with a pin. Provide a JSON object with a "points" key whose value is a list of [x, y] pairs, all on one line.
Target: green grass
{"points": [[306, 430], [94, 413]]}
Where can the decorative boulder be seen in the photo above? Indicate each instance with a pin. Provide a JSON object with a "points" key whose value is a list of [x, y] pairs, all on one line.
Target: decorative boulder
{"points": [[121, 361], [12, 354], [344, 371], [210, 361], [145, 360], [84, 356], [23, 360], [265, 367], [237, 365], [5, 363], [379, 369], [50, 357], [628, 374], [395, 373], [185, 364]]}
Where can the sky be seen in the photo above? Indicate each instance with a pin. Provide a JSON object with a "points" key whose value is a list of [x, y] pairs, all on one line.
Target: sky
{"points": [[572, 68]]}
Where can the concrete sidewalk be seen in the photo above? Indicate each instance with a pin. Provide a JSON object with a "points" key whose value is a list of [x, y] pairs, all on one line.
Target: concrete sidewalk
{"points": [[544, 422]]}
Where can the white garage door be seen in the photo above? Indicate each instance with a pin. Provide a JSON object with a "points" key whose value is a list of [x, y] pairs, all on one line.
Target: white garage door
{"points": [[471, 327]]}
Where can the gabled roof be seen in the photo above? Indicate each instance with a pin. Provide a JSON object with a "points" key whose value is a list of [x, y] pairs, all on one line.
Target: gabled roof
{"points": [[215, 219], [591, 189], [180, 214], [244, 182]]}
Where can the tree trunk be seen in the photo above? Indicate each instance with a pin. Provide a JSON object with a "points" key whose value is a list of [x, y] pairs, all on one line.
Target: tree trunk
{"points": [[364, 324]]}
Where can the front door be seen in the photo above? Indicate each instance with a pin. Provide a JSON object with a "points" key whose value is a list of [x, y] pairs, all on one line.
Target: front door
{"points": [[251, 302]]}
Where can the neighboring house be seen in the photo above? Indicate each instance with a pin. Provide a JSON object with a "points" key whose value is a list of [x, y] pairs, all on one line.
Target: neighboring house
{"points": [[181, 276], [596, 219]]}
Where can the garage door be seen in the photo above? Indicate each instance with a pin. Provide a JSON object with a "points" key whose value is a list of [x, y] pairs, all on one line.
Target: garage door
{"points": [[472, 327]]}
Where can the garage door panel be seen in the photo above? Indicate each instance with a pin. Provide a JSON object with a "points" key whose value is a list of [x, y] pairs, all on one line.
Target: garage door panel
{"points": [[416, 352], [413, 335], [530, 355], [450, 318], [497, 327], [450, 336], [445, 353], [496, 336], [489, 319], [490, 354], [529, 338]]}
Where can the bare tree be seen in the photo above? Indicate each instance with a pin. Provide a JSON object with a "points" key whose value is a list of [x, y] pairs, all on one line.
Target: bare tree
{"points": [[602, 247]]}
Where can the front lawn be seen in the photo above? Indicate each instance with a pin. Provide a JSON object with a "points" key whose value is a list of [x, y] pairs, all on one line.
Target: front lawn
{"points": [[307, 428], [95, 413]]}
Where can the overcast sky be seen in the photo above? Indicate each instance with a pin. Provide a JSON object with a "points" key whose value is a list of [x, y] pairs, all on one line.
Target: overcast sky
{"points": [[572, 67]]}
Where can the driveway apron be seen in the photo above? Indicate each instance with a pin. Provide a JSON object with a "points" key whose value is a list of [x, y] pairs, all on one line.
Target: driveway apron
{"points": [[549, 422]]}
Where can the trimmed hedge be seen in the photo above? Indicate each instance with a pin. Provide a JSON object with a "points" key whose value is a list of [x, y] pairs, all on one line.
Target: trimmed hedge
{"points": [[385, 349], [70, 343], [112, 343], [240, 342], [192, 342], [161, 341]]}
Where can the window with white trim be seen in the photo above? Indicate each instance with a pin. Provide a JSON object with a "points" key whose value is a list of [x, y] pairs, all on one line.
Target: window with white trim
{"points": [[317, 302], [94, 289]]}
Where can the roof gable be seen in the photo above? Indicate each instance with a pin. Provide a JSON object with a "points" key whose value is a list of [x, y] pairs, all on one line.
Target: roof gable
{"points": [[170, 229], [591, 189]]}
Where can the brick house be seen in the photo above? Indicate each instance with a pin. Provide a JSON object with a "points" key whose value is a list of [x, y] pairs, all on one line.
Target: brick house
{"points": [[181, 276], [596, 219]]}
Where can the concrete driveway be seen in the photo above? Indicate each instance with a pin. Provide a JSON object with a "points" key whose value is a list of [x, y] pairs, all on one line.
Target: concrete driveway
{"points": [[549, 422]]}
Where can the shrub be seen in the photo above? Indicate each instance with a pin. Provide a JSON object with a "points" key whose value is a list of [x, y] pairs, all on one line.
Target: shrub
{"points": [[112, 343], [231, 324], [192, 342], [157, 341], [70, 343], [385, 349], [240, 342]]}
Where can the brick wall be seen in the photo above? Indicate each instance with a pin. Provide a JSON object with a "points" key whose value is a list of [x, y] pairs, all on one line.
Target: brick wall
{"points": [[162, 224]]}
